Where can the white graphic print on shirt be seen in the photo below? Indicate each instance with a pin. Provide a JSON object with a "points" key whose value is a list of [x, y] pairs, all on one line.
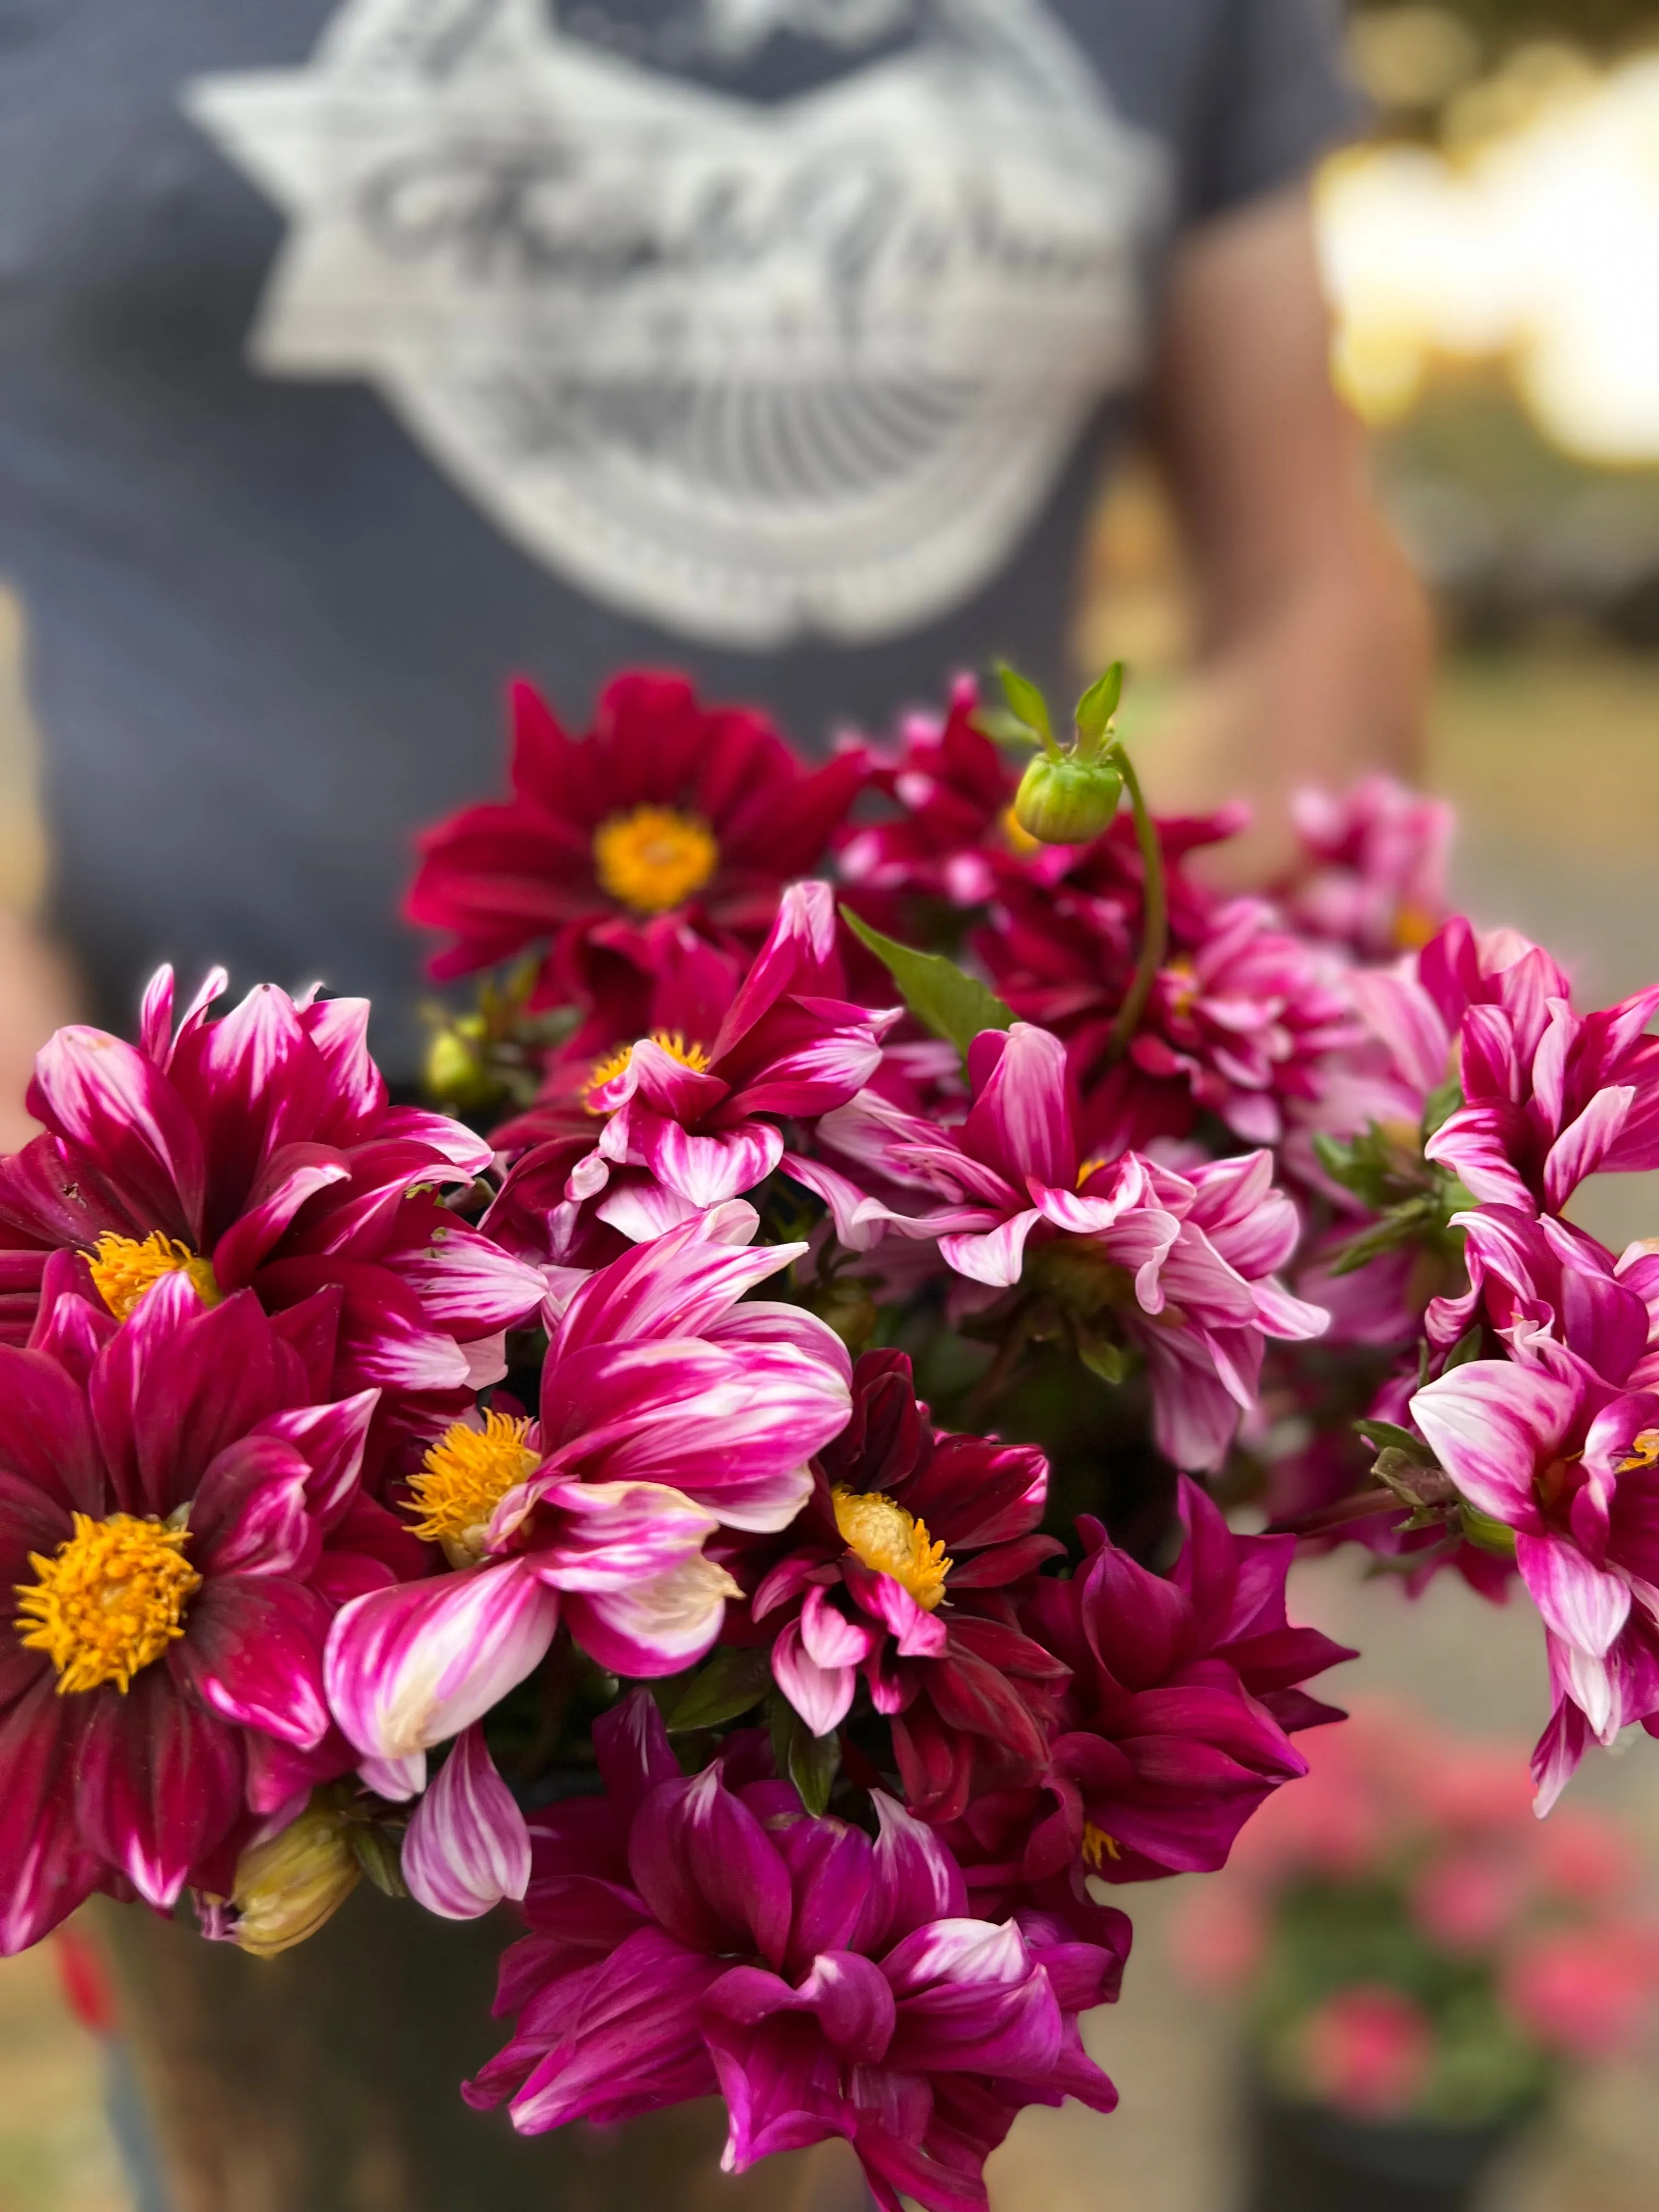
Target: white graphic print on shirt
{"points": [[749, 371]]}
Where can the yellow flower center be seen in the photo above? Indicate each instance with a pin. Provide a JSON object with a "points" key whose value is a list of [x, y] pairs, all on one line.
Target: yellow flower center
{"points": [[463, 1478], [126, 1270], [655, 858], [672, 1042], [109, 1601], [1183, 984], [1414, 927], [1643, 1452], [892, 1541], [1098, 1845]]}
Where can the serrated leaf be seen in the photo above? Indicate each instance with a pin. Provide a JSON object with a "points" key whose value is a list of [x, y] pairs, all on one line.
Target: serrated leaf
{"points": [[1095, 709], [377, 1853], [732, 1682], [951, 1003], [1026, 701], [1387, 1436]]}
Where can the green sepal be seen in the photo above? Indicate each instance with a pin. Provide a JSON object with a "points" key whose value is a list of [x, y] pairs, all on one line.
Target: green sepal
{"points": [[953, 1004], [1026, 702], [1385, 1435], [1440, 1105], [1489, 1535], [1102, 1356], [1095, 709]]}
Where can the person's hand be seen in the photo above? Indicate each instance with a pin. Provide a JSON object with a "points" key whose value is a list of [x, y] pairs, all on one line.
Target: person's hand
{"points": [[1315, 642]]}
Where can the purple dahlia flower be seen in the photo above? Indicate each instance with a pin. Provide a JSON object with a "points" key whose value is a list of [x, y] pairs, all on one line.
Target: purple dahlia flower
{"points": [[689, 1933]]}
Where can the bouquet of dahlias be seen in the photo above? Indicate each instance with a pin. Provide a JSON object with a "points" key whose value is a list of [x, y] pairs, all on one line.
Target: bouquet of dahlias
{"points": [[740, 1473], [1411, 1946]]}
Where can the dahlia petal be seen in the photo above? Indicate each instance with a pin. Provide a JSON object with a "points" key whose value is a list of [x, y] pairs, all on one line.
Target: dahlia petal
{"points": [[831, 1639], [708, 1169], [994, 1258], [115, 1104], [848, 1995], [1556, 1756], [467, 1284], [914, 1880], [861, 1221], [1021, 1118], [822, 1694], [331, 1438], [249, 1516], [338, 1029], [45, 1436], [47, 1868], [158, 1784], [612, 1535], [677, 1288], [1585, 1144], [466, 1846], [288, 1179], [708, 1870], [630, 1743], [409, 1666], [1493, 1424], [658, 1626], [644, 1211], [253, 1652], [1585, 1607], [1478, 1145]]}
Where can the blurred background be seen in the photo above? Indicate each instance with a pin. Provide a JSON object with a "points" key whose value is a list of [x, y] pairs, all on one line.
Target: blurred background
{"points": [[1492, 254]]}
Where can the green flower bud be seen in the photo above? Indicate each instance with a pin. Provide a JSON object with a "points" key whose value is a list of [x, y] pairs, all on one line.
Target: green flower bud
{"points": [[1066, 801], [287, 1887]]}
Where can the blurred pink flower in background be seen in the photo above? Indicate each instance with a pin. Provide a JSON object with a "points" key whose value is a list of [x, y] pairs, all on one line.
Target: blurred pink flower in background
{"points": [[1368, 2051]]}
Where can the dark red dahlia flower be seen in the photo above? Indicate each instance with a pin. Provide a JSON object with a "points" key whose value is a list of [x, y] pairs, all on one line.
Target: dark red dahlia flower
{"points": [[1175, 1723], [259, 1150], [902, 1569], [666, 804], [180, 1516]]}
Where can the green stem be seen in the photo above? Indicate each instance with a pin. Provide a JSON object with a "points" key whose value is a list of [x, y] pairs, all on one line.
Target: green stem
{"points": [[1155, 913]]}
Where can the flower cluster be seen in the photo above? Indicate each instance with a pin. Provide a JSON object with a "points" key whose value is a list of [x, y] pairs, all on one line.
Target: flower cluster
{"points": [[764, 1433], [1412, 1944]]}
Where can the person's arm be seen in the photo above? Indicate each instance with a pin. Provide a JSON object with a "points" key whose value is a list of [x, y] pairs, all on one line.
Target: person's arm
{"points": [[1316, 641]]}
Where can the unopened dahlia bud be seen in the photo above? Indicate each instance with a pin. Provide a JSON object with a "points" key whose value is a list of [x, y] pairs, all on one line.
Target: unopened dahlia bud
{"points": [[456, 1072], [287, 1887], [1068, 800]]}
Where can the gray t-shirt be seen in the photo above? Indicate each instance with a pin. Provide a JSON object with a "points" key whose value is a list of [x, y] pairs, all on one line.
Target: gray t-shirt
{"points": [[356, 355]]}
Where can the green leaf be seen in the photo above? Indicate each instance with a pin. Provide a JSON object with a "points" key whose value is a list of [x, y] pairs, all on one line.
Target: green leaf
{"points": [[1002, 728], [1101, 1357], [1026, 701], [731, 1683], [811, 1762], [376, 1852], [952, 1003], [1384, 1436], [1467, 1347], [1440, 1105], [1095, 709]]}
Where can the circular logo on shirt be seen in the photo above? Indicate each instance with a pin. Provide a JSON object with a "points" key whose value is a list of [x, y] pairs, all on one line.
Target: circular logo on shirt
{"points": [[749, 369]]}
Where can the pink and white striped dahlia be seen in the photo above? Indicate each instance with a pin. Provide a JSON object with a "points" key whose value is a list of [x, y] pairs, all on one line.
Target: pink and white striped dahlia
{"points": [[1557, 1446], [668, 1408], [903, 1569], [1181, 1264], [1374, 878], [180, 1515], [259, 1151], [701, 1932]]}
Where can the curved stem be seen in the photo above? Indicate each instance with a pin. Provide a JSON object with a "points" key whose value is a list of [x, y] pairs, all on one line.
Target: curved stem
{"points": [[1155, 913]]}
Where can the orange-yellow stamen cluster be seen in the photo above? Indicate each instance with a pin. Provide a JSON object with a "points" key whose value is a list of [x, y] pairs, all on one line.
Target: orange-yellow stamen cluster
{"points": [[893, 1542], [1643, 1452], [653, 858], [1098, 1845], [1182, 979], [125, 1269], [673, 1041], [109, 1601], [463, 1478]]}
